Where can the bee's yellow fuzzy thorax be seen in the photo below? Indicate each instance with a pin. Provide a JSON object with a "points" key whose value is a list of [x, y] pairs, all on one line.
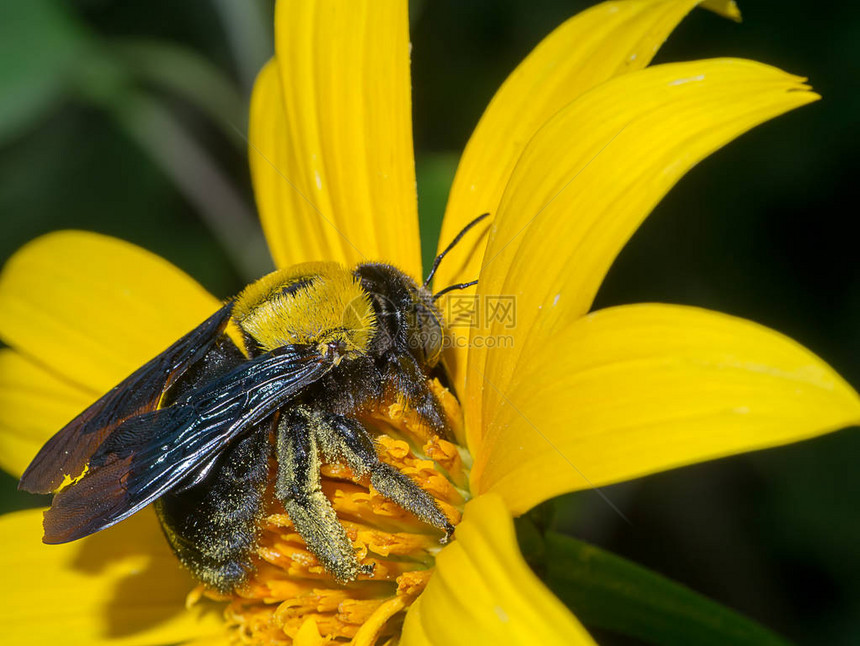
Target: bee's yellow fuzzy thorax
{"points": [[312, 303]]}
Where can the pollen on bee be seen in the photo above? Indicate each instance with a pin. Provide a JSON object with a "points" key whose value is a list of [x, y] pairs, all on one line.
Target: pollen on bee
{"points": [[297, 304], [291, 588]]}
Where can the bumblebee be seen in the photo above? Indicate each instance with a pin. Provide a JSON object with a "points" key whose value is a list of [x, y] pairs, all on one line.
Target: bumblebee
{"points": [[284, 370]]}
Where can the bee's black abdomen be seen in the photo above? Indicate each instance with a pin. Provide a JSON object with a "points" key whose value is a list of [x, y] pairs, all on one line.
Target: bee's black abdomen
{"points": [[213, 525]]}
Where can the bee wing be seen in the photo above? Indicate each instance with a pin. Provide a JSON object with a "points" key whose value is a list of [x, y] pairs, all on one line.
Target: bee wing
{"points": [[69, 450], [158, 451]]}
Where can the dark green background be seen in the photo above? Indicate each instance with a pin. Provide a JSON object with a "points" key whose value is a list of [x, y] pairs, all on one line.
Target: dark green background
{"points": [[760, 230]]}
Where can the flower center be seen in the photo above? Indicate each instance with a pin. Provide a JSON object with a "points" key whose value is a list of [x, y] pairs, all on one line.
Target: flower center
{"points": [[290, 587]]}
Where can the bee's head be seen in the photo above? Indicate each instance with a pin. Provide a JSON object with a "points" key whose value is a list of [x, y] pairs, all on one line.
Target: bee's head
{"points": [[407, 318]]}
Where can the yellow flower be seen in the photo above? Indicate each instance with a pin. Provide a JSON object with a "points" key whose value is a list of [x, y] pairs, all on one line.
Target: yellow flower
{"points": [[572, 153]]}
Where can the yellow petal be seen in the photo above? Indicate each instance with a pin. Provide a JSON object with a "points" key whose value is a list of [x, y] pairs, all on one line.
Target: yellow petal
{"points": [[604, 41], [94, 308], [121, 586], [589, 178], [482, 591], [632, 390], [331, 135], [34, 404]]}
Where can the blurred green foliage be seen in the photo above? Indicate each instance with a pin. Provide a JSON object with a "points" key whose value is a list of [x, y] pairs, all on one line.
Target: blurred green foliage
{"points": [[37, 53], [101, 100]]}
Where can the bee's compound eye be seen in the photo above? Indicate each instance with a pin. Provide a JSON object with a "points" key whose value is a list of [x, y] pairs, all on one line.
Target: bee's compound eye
{"points": [[426, 336], [433, 345]]}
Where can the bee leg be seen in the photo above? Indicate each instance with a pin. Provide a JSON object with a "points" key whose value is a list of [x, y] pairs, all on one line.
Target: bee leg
{"points": [[405, 377], [345, 438], [298, 488]]}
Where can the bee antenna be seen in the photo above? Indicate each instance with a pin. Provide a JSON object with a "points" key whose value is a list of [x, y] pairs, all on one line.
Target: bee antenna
{"points": [[447, 249], [451, 288]]}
